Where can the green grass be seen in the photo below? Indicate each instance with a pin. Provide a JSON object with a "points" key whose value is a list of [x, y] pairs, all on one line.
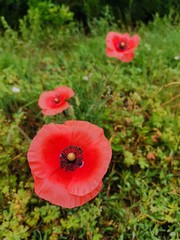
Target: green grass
{"points": [[137, 105]]}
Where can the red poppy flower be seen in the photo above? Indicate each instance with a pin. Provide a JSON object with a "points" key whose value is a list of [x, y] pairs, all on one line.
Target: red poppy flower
{"points": [[121, 46], [53, 102], [68, 162]]}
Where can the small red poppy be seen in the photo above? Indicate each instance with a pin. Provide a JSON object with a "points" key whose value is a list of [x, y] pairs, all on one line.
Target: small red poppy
{"points": [[68, 162], [121, 46], [53, 102]]}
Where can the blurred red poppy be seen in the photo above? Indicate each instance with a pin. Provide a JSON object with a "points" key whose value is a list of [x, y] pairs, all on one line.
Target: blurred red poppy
{"points": [[53, 102], [121, 46], [68, 162]]}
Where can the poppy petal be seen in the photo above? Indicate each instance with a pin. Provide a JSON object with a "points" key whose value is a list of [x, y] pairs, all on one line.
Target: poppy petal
{"points": [[109, 38], [125, 35], [46, 147], [79, 127], [44, 98], [54, 111], [109, 52], [128, 57], [97, 155], [86, 178], [134, 41], [56, 193], [64, 92]]}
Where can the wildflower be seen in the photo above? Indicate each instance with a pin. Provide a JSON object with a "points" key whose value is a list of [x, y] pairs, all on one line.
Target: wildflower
{"points": [[121, 46], [53, 102], [177, 57], [85, 78], [68, 162], [15, 89]]}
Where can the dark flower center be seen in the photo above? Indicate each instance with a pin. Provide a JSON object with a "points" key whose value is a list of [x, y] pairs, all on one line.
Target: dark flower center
{"points": [[122, 46], [71, 158], [56, 100]]}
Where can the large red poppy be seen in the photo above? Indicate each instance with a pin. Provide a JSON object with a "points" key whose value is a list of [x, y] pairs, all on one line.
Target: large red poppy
{"points": [[121, 46], [53, 102], [68, 162]]}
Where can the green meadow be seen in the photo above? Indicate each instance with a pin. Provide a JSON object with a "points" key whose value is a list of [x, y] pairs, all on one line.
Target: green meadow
{"points": [[137, 104]]}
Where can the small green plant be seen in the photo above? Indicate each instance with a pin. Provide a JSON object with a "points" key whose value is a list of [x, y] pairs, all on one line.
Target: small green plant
{"points": [[41, 17]]}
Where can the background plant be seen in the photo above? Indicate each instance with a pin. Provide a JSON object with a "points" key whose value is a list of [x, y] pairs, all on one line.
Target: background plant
{"points": [[125, 11]]}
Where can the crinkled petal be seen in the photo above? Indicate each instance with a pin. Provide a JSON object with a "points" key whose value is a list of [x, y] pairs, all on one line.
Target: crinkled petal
{"points": [[96, 156], [45, 98], [64, 92], [128, 57], [46, 147], [54, 111], [109, 52], [109, 40], [134, 42], [55, 192], [115, 54]]}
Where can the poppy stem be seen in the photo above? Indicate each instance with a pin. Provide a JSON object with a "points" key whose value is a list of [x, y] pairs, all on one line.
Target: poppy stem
{"points": [[71, 112], [114, 69]]}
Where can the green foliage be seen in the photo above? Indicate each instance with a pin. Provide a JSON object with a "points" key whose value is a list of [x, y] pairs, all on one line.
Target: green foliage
{"points": [[57, 12], [9, 34], [50, 13], [137, 105], [38, 22]]}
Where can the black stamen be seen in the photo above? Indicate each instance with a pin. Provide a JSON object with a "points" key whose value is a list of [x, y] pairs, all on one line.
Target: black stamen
{"points": [[122, 46], [76, 163]]}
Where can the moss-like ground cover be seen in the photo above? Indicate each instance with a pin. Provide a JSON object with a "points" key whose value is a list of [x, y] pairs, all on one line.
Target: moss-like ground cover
{"points": [[137, 105]]}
